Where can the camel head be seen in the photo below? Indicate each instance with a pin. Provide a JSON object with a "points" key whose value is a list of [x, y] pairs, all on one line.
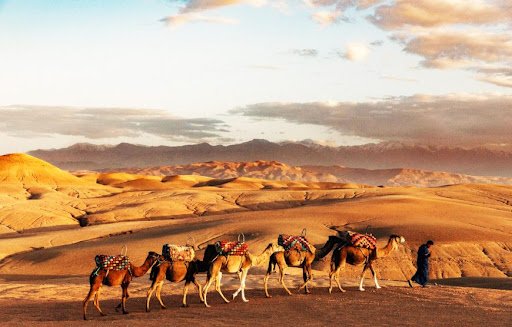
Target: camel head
{"points": [[275, 247], [396, 239], [152, 256]]}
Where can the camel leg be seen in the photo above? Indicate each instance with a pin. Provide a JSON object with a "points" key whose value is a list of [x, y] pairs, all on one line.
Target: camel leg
{"points": [[377, 286], [159, 295], [362, 277], [281, 271], [243, 278], [92, 291], [151, 289], [240, 287], [97, 301], [270, 269], [337, 279], [124, 298], [217, 287], [199, 289], [306, 275], [206, 288]]}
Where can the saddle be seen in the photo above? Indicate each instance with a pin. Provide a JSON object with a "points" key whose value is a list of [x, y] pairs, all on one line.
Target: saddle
{"points": [[231, 248], [297, 242], [112, 262], [178, 253], [367, 241]]}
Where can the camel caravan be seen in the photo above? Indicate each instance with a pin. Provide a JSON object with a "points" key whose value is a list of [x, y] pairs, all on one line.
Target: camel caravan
{"points": [[179, 263]]}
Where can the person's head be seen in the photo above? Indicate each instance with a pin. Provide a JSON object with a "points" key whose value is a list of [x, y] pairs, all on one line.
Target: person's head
{"points": [[430, 243]]}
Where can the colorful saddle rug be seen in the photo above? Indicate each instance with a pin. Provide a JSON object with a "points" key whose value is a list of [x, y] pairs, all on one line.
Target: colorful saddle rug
{"points": [[231, 248], [362, 240], [178, 253], [299, 243], [112, 262]]}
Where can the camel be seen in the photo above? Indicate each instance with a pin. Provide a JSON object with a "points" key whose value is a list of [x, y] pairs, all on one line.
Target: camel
{"points": [[232, 264], [298, 259], [116, 278], [358, 256], [175, 272]]}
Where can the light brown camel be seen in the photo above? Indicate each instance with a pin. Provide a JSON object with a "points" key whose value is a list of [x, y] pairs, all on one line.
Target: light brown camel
{"points": [[116, 278], [175, 272], [298, 259], [358, 256], [232, 264]]}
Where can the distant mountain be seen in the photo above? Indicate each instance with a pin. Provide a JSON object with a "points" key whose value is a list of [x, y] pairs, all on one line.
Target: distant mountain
{"points": [[476, 161], [277, 171], [271, 170]]}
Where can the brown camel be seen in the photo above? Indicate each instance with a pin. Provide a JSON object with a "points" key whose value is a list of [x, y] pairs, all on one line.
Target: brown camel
{"points": [[358, 256], [298, 259], [232, 264], [175, 272], [116, 278]]}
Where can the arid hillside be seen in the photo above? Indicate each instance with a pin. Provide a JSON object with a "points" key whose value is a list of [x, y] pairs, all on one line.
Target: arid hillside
{"points": [[471, 224], [273, 170]]}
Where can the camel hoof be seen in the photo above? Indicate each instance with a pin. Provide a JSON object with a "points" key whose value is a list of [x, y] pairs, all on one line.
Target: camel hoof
{"points": [[362, 289], [330, 291], [183, 306], [234, 296], [207, 305], [268, 296], [103, 314], [245, 300], [163, 307], [125, 312], [378, 287], [342, 290]]}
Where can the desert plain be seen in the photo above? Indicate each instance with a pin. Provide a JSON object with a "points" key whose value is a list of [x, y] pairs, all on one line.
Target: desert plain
{"points": [[53, 223]]}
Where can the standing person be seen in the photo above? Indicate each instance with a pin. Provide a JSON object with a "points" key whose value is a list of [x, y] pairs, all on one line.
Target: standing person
{"points": [[421, 275]]}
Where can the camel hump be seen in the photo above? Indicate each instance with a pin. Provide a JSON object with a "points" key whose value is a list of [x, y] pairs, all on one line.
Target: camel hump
{"points": [[297, 242], [174, 252], [112, 262], [362, 240], [231, 248]]}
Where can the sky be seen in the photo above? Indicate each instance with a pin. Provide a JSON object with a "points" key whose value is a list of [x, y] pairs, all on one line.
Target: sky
{"points": [[173, 72]]}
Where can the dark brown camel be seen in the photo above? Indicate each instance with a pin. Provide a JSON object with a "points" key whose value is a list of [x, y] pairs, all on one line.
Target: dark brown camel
{"points": [[175, 272], [116, 278]]}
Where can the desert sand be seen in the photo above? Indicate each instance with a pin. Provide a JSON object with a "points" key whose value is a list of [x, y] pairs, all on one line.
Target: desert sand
{"points": [[47, 256]]}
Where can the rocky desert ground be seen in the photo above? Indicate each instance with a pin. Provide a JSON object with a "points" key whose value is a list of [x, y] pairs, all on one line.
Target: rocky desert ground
{"points": [[53, 223]]}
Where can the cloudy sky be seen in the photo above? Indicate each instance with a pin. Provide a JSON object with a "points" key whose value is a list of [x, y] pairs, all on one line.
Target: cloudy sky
{"points": [[173, 72]]}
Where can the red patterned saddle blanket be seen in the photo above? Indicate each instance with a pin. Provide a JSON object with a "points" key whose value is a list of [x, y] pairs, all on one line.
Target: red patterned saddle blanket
{"points": [[112, 262], [178, 253], [231, 248], [290, 242], [362, 240]]}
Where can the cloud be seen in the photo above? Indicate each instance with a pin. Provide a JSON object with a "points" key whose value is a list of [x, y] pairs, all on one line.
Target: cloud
{"points": [[191, 11], [98, 123], [460, 49], [305, 52], [336, 10], [355, 52], [430, 13], [444, 120], [182, 19]]}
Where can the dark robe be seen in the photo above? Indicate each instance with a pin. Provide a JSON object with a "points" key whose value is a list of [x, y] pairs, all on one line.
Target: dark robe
{"points": [[421, 275]]}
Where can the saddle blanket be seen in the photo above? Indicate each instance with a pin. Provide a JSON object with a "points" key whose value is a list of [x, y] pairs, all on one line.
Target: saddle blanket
{"points": [[178, 253], [290, 242], [363, 240], [112, 262], [231, 248]]}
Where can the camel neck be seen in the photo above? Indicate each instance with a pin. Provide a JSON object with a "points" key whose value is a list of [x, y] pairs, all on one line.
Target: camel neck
{"points": [[141, 270], [384, 251]]}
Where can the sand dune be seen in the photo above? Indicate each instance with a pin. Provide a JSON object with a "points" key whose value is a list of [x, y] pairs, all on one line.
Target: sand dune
{"points": [[471, 224]]}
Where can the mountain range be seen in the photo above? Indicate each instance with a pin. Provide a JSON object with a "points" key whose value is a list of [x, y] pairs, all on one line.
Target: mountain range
{"points": [[476, 161]]}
